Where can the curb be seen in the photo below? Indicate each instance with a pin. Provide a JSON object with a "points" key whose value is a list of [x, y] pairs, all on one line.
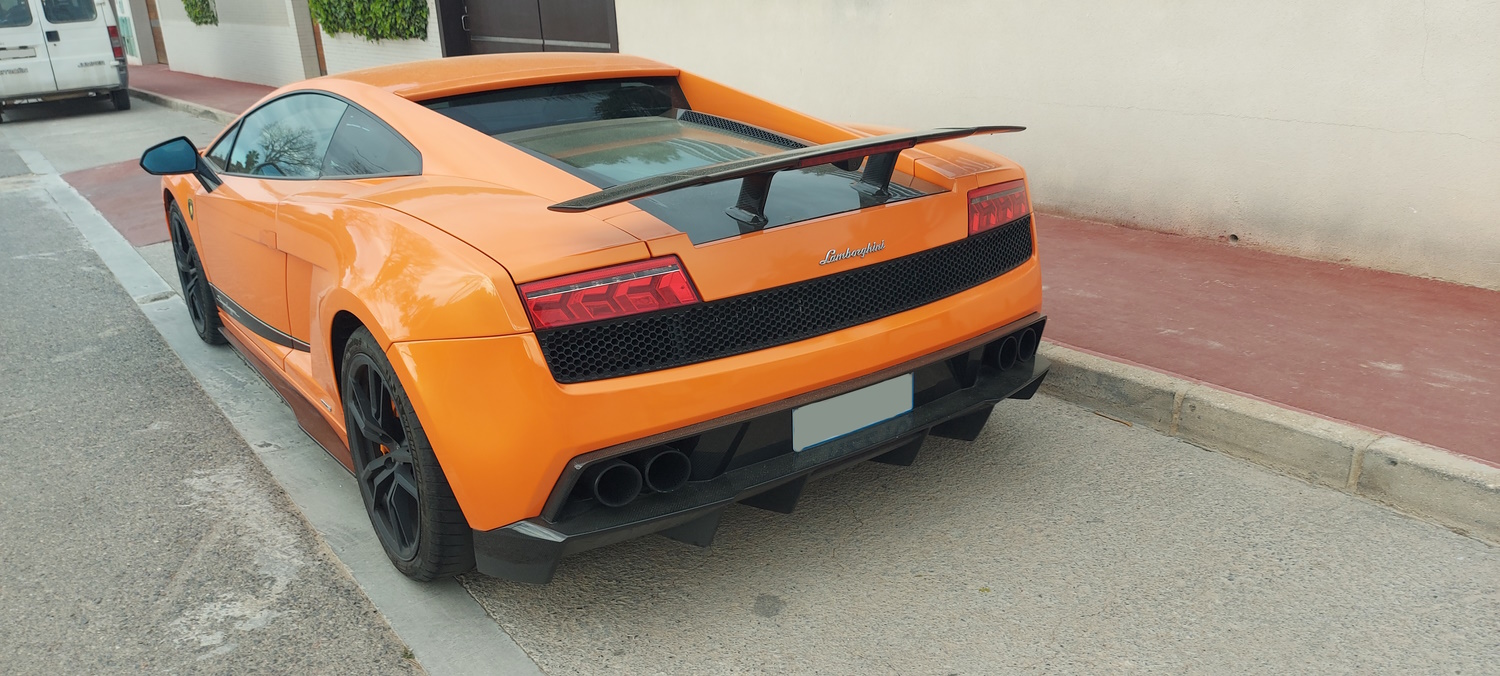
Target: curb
{"points": [[1424, 481], [189, 107]]}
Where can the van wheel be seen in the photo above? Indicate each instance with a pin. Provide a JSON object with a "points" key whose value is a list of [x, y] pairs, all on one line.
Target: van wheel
{"points": [[121, 99]]}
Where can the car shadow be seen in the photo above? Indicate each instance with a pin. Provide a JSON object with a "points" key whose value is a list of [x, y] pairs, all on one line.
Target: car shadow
{"points": [[54, 110]]}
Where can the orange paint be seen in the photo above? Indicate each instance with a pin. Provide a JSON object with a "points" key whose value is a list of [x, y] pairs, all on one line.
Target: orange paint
{"points": [[429, 264]]}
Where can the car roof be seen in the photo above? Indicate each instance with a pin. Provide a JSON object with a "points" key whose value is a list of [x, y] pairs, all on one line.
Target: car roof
{"points": [[437, 78]]}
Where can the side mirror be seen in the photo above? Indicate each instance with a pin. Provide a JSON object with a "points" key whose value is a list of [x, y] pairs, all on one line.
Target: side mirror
{"points": [[177, 156]]}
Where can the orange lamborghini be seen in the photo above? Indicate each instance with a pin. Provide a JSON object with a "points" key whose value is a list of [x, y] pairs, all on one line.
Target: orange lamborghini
{"points": [[539, 303]]}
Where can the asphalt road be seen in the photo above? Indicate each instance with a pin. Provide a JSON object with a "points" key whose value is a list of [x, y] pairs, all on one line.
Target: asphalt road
{"points": [[1060, 541], [140, 534]]}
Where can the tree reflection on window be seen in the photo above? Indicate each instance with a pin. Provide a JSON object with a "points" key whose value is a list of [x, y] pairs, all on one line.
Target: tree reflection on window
{"points": [[282, 150], [287, 138]]}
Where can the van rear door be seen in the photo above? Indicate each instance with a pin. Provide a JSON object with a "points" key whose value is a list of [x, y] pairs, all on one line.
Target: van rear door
{"points": [[24, 70], [78, 42]]}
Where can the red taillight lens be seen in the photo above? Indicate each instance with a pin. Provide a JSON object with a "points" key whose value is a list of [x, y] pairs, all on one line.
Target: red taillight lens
{"points": [[607, 293], [996, 205], [116, 42]]}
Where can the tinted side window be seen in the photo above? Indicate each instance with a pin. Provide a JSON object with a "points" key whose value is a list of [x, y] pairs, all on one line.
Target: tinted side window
{"points": [[14, 13], [363, 146], [218, 155], [287, 137], [67, 11]]}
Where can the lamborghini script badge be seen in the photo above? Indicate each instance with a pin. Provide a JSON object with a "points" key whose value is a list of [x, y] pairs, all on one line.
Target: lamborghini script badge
{"points": [[834, 256]]}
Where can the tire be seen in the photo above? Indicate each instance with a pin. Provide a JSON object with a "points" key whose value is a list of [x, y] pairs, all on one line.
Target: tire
{"points": [[199, 296], [406, 494], [121, 99]]}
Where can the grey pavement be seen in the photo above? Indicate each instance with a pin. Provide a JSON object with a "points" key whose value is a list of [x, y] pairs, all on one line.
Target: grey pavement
{"points": [[141, 534], [11, 164], [1060, 541], [82, 134]]}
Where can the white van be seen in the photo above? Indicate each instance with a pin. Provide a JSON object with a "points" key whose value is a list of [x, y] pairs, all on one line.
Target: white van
{"points": [[60, 49]]}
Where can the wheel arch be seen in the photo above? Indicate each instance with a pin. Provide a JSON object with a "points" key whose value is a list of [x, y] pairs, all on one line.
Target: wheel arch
{"points": [[344, 324]]}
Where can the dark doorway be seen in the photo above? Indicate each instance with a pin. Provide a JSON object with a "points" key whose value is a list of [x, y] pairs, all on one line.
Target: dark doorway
{"points": [[499, 26]]}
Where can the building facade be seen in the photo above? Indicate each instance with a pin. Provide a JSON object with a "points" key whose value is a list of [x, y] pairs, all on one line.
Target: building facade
{"points": [[1344, 130]]}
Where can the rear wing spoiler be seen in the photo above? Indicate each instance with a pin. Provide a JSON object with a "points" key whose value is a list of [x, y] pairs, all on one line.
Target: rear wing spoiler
{"points": [[749, 209]]}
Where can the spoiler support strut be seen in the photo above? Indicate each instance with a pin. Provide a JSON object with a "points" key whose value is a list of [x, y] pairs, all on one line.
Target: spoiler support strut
{"points": [[750, 208]]}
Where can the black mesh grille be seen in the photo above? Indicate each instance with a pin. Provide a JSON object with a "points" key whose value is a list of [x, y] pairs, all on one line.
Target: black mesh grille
{"points": [[785, 314], [739, 128]]}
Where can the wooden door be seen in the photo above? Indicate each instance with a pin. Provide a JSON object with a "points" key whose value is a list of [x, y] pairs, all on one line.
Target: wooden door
{"points": [[155, 21], [499, 26]]}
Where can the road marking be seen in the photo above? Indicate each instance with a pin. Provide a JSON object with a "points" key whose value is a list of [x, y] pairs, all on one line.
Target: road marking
{"points": [[445, 627]]}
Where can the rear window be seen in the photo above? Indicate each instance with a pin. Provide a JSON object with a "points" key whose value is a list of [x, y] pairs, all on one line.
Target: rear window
{"points": [[15, 13], [507, 110], [609, 132], [69, 11]]}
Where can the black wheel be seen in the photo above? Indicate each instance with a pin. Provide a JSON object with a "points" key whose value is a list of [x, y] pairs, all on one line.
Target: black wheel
{"points": [[195, 289], [121, 99], [406, 494]]}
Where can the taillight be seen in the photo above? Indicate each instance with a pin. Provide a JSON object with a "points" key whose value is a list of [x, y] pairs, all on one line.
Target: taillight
{"points": [[608, 293], [116, 42], [996, 205]]}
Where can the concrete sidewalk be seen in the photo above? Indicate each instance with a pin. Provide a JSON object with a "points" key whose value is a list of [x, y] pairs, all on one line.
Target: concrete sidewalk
{"points": [[210, 96], [1415, 357]]}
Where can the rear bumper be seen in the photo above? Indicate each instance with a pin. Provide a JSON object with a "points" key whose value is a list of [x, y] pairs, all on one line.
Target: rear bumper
{"points": [[529, 550]]}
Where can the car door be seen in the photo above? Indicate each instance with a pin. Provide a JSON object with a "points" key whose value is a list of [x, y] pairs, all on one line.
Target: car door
{"points": [[76, 33], [24, 70], [276, 151]]}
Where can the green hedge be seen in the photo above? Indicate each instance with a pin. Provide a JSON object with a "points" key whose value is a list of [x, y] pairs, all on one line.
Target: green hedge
{"points": [[372, 19], [201, 12]]}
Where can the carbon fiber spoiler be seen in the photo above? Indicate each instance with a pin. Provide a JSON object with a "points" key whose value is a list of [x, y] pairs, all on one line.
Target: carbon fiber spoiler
{"points": [[749, 210]]}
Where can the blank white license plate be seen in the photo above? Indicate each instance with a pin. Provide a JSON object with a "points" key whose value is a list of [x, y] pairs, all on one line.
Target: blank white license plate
{"points": [[816, 423]]}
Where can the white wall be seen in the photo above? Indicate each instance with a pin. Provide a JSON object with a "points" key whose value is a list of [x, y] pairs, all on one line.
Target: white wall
{"points": [[1359, 130], [349, 52], [255, 41]]}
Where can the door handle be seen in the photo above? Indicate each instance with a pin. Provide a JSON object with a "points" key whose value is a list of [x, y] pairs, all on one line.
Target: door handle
{"points": [[463, 22], [52, 36]]}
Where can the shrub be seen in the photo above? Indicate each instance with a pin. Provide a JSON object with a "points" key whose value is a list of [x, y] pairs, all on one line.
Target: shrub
{"points": [[201, 12], [372, 19]]}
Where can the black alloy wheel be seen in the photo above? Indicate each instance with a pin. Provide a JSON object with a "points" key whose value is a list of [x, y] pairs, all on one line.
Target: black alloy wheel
{"points": [[387, 476], [196, 292], [406, 495]]}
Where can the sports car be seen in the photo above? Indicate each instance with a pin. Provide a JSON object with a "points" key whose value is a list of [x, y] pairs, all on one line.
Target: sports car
{"points": [[540, 303]]}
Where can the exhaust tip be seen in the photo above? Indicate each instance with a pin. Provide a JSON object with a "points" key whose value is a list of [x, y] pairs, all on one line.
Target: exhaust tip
{"points": [[1026, 348], [616, 483], [667, 471], [1009, 349]]}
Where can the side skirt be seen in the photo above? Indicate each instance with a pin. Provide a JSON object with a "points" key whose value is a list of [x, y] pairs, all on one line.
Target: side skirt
{"points": [[308, 418]]}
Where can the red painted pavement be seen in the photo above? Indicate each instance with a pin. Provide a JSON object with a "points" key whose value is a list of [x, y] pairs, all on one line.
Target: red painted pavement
{"points": [[226, 95], [127, 196], [1414, 357]]}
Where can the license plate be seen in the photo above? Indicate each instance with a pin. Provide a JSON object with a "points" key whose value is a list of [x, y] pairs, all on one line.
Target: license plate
{"points": [[816, 423]]}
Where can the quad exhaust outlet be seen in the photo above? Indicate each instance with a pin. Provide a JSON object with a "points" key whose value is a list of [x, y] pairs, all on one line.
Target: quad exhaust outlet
{"points": [[614, 483], [666, 471]]}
